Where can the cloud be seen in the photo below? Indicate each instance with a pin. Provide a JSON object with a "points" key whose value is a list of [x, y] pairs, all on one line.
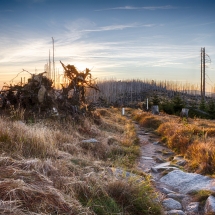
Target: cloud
{"points": [[75, 30], [79, 29], [118, 27], [167, 7], [106, 58]]}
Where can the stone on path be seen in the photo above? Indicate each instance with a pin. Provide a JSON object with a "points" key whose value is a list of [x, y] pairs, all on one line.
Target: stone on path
{"points": [[120, 173], [156, 143], [188, 182], [159, 160], [171, 204], [179, 160], [210, 205], [175, 212], [176, 196], [147, 158], [192, 208], [163, 166], [166, 191]]}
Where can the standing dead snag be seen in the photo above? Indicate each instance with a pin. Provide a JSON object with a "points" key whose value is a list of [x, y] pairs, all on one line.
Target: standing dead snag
{"points": [[75, 92]]}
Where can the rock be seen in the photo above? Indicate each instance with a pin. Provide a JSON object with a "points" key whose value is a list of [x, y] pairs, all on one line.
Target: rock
{"points": [[181, 163], [159, 160], [147, 158], [156, 143], [89, 144], [188, 182], [163, 166], [179, 160], [171, 204], [167, 153], [166, 191], [90, 141], [120, 173], [176, 196], [154, 170], [210, 205], [192, 208], [175, 212]]}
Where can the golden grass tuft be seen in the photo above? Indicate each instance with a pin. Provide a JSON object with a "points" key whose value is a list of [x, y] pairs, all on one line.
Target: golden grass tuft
{"points": [[17, 137], [193, 142], [146, 119], [204, 154]]}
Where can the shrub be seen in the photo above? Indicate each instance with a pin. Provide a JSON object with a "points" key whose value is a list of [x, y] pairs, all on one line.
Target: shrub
{"points": [[167, 107]]}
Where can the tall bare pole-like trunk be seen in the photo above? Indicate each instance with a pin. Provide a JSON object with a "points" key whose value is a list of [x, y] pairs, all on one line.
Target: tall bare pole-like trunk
{"points": [[49, 67], [53, 62], [203, 73]]}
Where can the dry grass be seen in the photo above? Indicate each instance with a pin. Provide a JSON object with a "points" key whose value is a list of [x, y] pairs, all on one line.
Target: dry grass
{"points": [[192, 138], [204, 154], [45, 168], [20, 139], [132, 196], [147, 119]]}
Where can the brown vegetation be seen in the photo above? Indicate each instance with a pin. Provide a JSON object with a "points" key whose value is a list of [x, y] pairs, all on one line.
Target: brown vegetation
{"points": [[47, 168], [192, 138]]}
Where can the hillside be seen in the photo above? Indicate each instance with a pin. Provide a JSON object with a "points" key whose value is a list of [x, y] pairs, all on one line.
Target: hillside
{"points": [[67, 167], [90, 166]]}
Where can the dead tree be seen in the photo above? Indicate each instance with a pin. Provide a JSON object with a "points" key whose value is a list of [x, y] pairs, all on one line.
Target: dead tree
{"points": [[75, 93], [33, 96]]}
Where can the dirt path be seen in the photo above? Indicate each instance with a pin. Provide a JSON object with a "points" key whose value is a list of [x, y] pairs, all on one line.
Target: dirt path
{"points": [[153, 153], [155, 160]]}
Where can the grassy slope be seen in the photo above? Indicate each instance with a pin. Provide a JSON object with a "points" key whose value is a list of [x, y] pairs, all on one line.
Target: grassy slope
{"points": [[192, 138], [45, 168]]}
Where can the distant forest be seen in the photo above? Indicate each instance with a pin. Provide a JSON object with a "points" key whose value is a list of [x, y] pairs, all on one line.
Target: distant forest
{"points": [[169, 96]]}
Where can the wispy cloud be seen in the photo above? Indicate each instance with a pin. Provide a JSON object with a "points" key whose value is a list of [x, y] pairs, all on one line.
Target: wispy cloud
{"points": [[118, 27], [167, 7], [76, 30]]}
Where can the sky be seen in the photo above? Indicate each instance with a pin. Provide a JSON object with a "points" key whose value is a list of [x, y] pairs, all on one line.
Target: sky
{"points": [[116, 39]]}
